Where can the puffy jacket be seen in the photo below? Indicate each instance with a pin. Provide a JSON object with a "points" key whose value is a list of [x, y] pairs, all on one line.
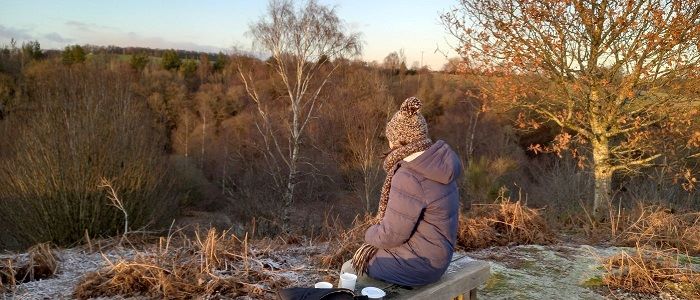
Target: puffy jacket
{"points": [[416, 237]]}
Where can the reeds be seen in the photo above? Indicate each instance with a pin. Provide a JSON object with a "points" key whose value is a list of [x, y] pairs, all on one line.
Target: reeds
{"points": [[502, 223], [210, 264]]}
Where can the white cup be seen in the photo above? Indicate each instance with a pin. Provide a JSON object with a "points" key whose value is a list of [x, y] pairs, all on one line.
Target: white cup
{"points": [[347, 281], [373, 293], [323, 285]]}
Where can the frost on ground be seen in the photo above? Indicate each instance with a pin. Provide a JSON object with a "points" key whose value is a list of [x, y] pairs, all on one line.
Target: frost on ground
{"points": [[550, 272], [293, 262], [522, 272], [73, 263]]}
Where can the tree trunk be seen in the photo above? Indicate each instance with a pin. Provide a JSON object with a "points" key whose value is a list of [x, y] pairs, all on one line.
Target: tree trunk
{"points": [[472, 132], [204, 135], [602, 172], [291, 185], [187, 135]]}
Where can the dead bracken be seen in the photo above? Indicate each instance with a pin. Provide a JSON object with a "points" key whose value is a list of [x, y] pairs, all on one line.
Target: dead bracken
{"points": [[216, 263], [658, 227], [500, 224], [650, 271]]}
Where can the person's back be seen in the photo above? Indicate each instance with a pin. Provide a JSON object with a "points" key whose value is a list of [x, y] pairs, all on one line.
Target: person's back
{"points": [[424, 199], [416, 236]]}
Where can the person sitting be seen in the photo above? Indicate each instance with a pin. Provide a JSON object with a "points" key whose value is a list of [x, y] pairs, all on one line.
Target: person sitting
{"points": [[414, 237]]}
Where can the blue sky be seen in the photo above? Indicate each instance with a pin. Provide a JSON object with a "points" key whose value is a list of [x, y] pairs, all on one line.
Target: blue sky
{"points": [[386, 26]]}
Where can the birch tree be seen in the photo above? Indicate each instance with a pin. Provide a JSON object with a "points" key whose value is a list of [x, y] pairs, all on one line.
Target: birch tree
{"points": [[608, 72], [296, 36]]}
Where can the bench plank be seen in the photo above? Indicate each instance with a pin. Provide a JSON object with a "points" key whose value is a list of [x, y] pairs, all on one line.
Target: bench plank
{"points": [[462, 277]]}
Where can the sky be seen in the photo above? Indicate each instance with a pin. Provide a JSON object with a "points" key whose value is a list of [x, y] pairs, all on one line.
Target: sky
{"points": [[386, 26]]}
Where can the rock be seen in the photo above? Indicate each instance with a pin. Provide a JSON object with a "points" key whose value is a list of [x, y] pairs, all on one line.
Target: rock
{"points": [[550, 272]]}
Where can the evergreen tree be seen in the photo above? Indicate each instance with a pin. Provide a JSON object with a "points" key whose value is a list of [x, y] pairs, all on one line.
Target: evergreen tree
{"points": [[188, 67], [139, 61], [73, 54], [220, 62], [170, 60], [32, 50]]}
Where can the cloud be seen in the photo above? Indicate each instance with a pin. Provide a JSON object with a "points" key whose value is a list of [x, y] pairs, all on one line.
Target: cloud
{"points": [[91, 33], [7, 33], [82, 26], [135, 39], [103, 35], [55, 37]]}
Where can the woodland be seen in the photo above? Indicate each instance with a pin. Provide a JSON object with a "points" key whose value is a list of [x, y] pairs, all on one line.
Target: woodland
{"points": [[574, 120]]}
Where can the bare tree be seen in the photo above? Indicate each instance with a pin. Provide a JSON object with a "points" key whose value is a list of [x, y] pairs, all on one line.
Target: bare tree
{"points": [[395, 62], [364, 147], [452, 65], [363, 115], [297, 38], [607, 72]]}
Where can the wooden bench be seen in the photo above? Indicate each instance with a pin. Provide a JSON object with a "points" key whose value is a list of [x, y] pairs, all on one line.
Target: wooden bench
{"points": [[460, 281]]}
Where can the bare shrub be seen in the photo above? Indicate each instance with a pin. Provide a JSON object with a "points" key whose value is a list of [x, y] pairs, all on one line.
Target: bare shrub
{"points": [[659, 187], [485, 176], [651, 271], [360, 115], [80, 124], [165, 94], [211, 264], [502, 223], [560, 186]]}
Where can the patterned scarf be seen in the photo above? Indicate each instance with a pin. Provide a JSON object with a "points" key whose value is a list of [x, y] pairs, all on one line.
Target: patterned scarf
{"points": [[360, 261]]}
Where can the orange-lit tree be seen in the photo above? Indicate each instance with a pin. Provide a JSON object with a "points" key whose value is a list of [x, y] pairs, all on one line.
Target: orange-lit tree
{"points": [[609, 73]]}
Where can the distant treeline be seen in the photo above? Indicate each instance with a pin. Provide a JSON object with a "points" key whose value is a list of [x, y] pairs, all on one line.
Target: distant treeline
{"points": [[150, 51], [34, 48]]}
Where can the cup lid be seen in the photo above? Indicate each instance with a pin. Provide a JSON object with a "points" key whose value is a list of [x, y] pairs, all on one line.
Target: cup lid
{"points": [[373, 292], [348, 276], [323, 284]]}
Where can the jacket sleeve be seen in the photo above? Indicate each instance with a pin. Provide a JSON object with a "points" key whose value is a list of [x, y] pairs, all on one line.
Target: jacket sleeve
{"points": [[401, 217]]}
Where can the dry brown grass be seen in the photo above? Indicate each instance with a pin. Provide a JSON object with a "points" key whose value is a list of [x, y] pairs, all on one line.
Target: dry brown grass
{"points": [[7, 276], [39, 263], [658, 227], [346, 242], [650, 271], [211, 264], [661, 260], [502, 223], [486, 225]]}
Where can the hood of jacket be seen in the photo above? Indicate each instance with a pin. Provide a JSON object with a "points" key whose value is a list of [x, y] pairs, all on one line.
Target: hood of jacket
{"points": [[439, 163]]}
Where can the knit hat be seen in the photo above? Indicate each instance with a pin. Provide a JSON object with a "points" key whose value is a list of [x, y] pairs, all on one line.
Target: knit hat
{"points": [[407, 126]]}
